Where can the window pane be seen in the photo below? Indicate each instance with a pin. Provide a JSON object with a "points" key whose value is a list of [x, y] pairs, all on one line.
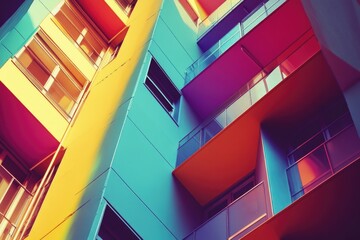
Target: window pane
{"points": [[58, 94], [71, 88]]}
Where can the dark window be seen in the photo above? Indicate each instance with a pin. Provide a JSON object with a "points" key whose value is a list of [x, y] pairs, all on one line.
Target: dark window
{"points": [[163, 89], [114, 228], [127, 5]]}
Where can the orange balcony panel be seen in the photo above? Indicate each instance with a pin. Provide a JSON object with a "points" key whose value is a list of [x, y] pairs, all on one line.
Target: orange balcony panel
{"points": [[22, 132], [266, 45], [210, 6], [103, 16], [231, 154], [330, 211]]}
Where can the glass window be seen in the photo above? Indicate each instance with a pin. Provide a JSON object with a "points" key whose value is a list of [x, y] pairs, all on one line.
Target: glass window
{"points": [[113, 227], [81, 34], [163, 89], [47, 73]]}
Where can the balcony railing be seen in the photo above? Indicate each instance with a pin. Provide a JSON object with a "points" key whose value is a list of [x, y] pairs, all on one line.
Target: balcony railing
{"points": [[237, 219], [231, 38], [252, 92], [219, 13], [341, 148], [14, 199]]}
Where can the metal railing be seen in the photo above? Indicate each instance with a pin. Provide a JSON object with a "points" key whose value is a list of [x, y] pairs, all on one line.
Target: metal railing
{"points": [[248, 95], [231, 38], [340, 147], [237, 219], [14, 199]]}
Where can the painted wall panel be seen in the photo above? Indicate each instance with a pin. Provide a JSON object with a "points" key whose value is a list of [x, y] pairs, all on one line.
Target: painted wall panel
{"points": [[132, 209], [147, 173], [276, 162], [13, 41]]}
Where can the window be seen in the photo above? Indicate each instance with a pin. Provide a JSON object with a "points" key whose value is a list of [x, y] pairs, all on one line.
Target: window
{"points": [[114, 228], [16, 187], [81, 34], [46, 72], [127, 5], [163, 89]]}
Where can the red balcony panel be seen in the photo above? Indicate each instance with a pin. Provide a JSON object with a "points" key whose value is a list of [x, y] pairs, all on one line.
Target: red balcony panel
{"points": [[231, 154], [210, 6], [22, 132], [264, 46], [103, 16], [213, 87], [330, 211]]}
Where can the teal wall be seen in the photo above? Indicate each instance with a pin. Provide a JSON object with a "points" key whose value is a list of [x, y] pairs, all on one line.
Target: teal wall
{"points": [[140, 185], [22, 25], [276, 163]]}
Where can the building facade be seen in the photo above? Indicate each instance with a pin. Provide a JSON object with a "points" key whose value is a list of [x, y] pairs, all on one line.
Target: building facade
{"points": [[134, 119]]}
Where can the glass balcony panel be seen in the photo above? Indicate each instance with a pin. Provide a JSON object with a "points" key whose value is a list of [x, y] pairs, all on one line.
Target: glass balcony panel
{"points": [[19, 206], [257, 92], [221, 119], [248, 209], [339, 125], [274, 78], [343, 148], [211, 130], [214, 229], [308, 170], [34, 67], [238, 107], [7, 229], [61, 97], [308, 147], [8, 197], [272, 5], [188, 148], [254, 19]]}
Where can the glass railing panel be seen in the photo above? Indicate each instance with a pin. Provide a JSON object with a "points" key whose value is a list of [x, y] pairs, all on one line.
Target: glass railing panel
{"points": [[308, 170], [13, 203], [210, 130], [274, 78], [188, 147], [215, 228], [61, 97], [254, 19], [238, 107], [343, 148], [249, 208], [250, 93], [237, 219], [216, 15], [272, 5], [230, 39]]}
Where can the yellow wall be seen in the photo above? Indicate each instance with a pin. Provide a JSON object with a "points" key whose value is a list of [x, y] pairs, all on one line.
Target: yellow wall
{"points": [[33, 100], [81, 163]]}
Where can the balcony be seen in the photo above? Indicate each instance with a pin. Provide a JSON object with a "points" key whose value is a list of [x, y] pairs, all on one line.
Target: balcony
{"points": [[330, 211], [232, 153], [340, 147], [231, 38], [226, 16], [237, 219], [252, 92], [237, 61], [14, 199]]}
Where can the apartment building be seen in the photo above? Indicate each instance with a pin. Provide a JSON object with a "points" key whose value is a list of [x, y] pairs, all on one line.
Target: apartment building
{"points": [[189, 119]]}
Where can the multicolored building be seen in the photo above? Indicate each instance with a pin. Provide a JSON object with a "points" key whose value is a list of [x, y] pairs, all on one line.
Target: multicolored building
{"points": [[179, 119]]}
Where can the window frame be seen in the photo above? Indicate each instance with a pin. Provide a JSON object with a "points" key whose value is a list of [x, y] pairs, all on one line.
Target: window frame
{"points": [[175, 105]]}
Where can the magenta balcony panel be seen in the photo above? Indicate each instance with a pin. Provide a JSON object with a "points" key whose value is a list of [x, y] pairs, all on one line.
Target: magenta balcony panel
{"points": [[262, 47]]}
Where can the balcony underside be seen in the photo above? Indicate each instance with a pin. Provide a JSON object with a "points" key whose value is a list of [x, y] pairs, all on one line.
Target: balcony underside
{"points": [[330, 211], [103, 16], [227, 22], [22, 132], [232, 154], [264, 46], [210, 6]]}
